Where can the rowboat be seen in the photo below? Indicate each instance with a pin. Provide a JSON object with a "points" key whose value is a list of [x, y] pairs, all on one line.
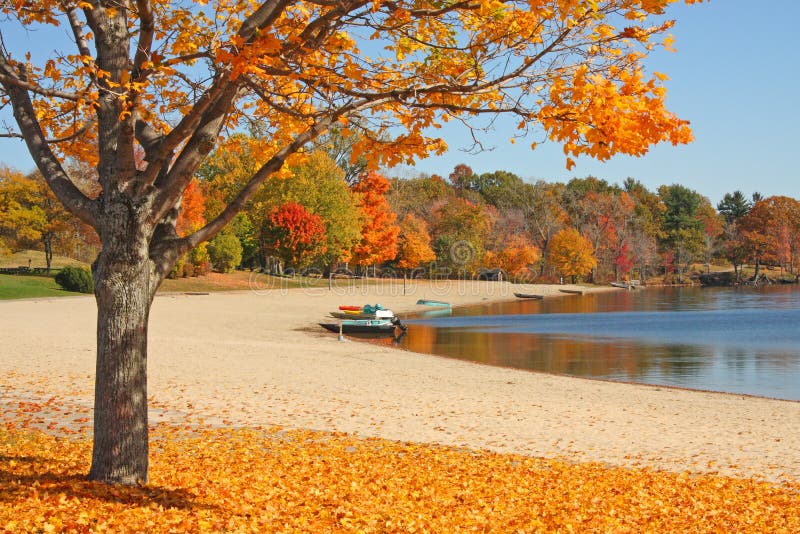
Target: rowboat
{"points": [[436, 303], [528, 296], [623, 285], [572, 291], [364, 326]]}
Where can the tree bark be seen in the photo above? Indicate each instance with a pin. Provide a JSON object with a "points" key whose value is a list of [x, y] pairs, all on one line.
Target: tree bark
{"points": [[125, 283], [48, 251]]}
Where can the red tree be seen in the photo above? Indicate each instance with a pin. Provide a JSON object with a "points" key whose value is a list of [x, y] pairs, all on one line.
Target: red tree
{"points": [[294, 235]]}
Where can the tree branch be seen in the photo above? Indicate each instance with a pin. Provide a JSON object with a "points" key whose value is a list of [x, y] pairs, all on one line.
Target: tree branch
{"points": [[55, 140], [146, 32], [70, 196], [77, 32], [7, 77]]}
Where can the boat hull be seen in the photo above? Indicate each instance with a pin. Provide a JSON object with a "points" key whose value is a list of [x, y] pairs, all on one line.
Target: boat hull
{"points": [[434, 303], [382, 328], [528, 296]]}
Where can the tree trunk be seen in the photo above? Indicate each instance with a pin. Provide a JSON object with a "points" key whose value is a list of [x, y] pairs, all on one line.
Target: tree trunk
{"points": [[125, 283], [758, 265], [48, 251]]}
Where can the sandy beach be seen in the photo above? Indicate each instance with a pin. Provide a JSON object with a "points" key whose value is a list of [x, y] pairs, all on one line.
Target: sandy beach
{"points": [[258, 358]]}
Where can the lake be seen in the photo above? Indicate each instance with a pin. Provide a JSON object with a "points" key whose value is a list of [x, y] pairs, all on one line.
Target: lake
{"points": [[718, 339]]}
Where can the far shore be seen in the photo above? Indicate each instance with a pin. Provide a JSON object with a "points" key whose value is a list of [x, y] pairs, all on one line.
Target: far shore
{"points": [[258, 358]]}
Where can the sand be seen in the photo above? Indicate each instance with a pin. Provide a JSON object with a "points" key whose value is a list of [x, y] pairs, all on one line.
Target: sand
{"points": [[258, 358]]}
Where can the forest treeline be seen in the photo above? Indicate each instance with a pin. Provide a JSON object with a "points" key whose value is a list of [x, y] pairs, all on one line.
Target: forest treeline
{"points": [[325, 213]]}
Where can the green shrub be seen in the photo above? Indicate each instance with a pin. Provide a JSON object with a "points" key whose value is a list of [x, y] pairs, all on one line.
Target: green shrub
{"points": [[75, 279], [226, 252]]}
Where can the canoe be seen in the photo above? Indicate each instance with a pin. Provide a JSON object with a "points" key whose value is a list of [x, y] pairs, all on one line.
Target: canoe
{"points": [[351, 308], [437, 303], [622, 285], [572, 291], [528, 296]]}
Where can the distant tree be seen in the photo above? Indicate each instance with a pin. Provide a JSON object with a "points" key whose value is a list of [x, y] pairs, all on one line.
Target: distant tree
{"points": [[414, 244], [31, 216], [225, 251], [760, 241], [683, 228], [245, 231], [318, 185], [501, 189], [572, 254], [338, 144], [712, 225], [294, 235], [462, 176], [517, 256], [461, 228], [604, 218], [379, 230], [190, 219], [193, 205], [418, 196], [646, 228], [771, 230], [733, 206], [545, 215]]}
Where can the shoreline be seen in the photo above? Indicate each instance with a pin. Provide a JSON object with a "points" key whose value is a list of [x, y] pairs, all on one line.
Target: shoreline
{"points": [[249, 359]]}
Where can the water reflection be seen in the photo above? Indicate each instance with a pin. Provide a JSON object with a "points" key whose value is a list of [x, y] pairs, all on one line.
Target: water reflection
{"points": [[734, 340]]}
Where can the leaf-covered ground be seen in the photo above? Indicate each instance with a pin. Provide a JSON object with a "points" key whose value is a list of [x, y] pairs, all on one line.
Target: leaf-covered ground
{"points": [[275, 480]]}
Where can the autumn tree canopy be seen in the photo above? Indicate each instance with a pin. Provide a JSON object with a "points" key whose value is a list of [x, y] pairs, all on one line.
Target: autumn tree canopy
{"points": [[379, 230], [571, 253], [168, 79]]}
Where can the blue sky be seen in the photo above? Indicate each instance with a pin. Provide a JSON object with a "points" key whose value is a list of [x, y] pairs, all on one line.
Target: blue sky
{"points": [[735, 76]]}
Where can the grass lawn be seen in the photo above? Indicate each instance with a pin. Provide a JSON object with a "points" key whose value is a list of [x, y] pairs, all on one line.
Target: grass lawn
{"points": [[25, 287], [36, 257]]}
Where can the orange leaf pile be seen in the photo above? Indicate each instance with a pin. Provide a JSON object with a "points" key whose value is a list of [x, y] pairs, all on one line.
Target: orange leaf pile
{"points": [[273, 480]]}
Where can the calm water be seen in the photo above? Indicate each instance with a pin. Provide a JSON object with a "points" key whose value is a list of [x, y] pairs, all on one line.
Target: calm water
{"points": [[733, 340]]}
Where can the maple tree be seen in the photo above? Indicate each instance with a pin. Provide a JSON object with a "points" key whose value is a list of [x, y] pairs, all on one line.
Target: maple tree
{"points": [[571, 253], [169, 79], [294, 235], [378, 230], [414, 243], [516, 257]]}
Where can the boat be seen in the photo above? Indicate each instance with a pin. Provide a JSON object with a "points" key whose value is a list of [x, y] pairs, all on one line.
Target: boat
{"points": [[572, 291], [351, 308], [436, 312], [528, 296], [350, 314], [436, 303], [623, 285], [364, 326]]}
